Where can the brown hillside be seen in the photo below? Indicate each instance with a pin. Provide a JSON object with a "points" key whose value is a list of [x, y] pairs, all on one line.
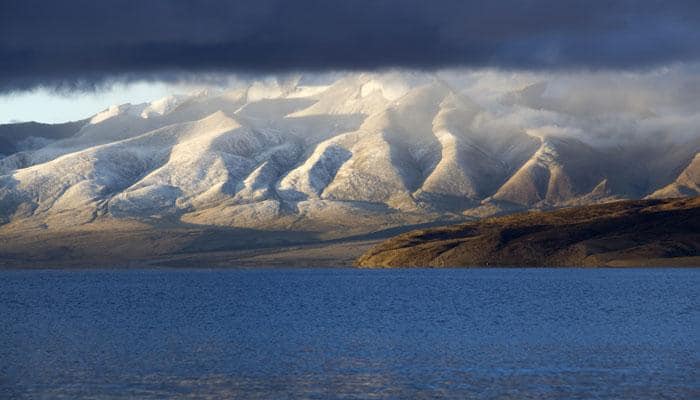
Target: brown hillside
{"points": [[626, 233]]}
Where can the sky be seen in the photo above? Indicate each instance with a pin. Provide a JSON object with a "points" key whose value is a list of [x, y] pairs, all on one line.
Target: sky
{"points": [[48, 106], [66, 60]]}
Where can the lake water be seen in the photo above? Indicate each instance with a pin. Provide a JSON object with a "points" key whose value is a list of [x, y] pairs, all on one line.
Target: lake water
{"points": [[345, 333]]}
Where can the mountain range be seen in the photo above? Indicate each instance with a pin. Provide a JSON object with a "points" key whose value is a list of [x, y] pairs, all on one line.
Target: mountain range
{"points": [[351, 155]]}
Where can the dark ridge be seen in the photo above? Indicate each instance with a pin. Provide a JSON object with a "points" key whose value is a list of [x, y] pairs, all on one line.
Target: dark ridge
{"points": [[22, 130], [625, 233]]}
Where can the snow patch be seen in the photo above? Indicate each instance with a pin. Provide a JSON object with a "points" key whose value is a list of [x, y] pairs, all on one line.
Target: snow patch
{"points": [[391, 89], [116, 110], [162, 106]]}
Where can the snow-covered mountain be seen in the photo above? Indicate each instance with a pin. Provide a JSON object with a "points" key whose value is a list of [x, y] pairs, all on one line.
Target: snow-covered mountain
{"points": [[359, 153]]}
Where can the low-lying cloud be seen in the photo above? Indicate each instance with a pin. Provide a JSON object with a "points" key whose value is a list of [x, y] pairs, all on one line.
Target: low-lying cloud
{"points": [[604, 107]]}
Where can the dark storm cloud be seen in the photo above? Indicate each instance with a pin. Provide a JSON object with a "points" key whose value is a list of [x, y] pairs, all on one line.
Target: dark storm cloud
{"points": [[79, 43]]}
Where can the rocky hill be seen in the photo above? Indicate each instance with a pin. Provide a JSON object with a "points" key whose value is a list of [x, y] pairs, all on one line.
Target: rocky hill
{"points": [[625, 233]]}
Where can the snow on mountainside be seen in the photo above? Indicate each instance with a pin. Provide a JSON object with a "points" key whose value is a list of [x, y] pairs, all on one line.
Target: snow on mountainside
{"points": [[687, 183], [360, 153]]}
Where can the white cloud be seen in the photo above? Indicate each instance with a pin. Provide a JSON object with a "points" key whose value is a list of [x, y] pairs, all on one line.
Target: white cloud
{"points": [[602, 107]]}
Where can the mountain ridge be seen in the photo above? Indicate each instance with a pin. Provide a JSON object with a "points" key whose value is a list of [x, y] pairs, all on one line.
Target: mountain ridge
{"points": [[360, 153]]}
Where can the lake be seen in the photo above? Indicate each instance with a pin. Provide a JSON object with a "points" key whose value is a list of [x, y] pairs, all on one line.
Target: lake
{"points": [[348, 333]]}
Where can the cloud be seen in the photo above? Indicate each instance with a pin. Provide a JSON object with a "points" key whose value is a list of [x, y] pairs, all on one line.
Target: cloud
{"points": [[78, 44], [602, 107]]}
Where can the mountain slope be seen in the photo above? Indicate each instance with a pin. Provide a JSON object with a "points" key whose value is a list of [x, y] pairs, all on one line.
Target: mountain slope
{"points": [[561, 169], [687, 183]]}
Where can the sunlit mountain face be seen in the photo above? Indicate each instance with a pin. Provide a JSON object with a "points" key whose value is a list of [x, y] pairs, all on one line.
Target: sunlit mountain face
{"points": [[359, 151]]}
